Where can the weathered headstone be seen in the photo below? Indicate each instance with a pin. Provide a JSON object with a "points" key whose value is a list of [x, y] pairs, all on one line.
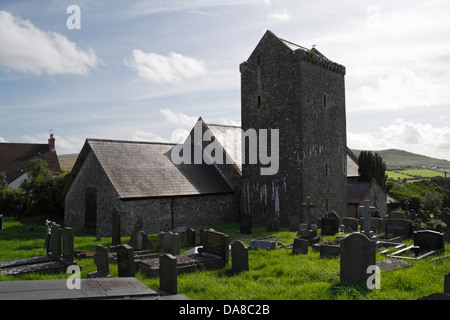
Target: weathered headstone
{"points": [[367, 211], [55, 240], [168, 274], [329, 226], [329, 251], [68, 248], [357, 254], [262, 244], [143, 242], [246, 224], [398, 227], [115, 237], [102, 260], [428, 240], [190, 237], [171, 241], [300, 246], [134, 235], [239, 256], [350, 224], [125, 261], [217, 243], [294, 222], [397, 215]]}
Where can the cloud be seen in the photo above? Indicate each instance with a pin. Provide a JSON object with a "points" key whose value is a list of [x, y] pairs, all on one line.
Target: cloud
{"points": [[63, 145], [26, 48], [2, 139], [280, 15], [421, 138], [147, 136], [173, 68], [179, 118]]}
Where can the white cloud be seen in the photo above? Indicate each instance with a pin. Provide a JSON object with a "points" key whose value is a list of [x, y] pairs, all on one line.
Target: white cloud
{"points": [[66, 145], [420, 138], [179, 118], [26, 48], [280, 15], [147, 136], [173, 68], [2, 139]]}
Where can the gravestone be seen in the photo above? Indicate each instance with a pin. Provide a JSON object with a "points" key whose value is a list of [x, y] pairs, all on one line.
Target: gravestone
{"points": [[300, 246], [101, 260], [217, 243], [115, 237], [447, 283], [329, 251], [398, 227], [392, 264], [428, 240], [135, 234], [350, 224], [55, 240], [307, 212], [125, 261], [168, 274], [171, 241], [357, 254], [1, 221], [368, 209], [190, 237], [330, 226], [246, 224], [239, 256], [143, 242], [262, 244], [273, 224], [68, 249], [294, 222]]}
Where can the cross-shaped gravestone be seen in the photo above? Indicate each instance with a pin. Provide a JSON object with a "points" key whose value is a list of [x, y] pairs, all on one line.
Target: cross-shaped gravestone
{"points": [[307, 211], [367, 210]]}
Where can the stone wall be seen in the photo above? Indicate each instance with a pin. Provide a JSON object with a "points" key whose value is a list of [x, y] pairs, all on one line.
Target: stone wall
{"points": [[158, 214]]}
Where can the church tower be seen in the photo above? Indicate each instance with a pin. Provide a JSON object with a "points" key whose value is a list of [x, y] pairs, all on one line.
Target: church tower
{"points": [[302, 94]]}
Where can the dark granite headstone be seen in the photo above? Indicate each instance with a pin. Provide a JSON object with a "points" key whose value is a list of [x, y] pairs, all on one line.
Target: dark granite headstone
{"points": [[168, 274], [300, 246], [190, 237], [246, 224], [357, 254], [398, 227], [217, 243], [68, 248], [55, 240], [428, 240], [330, 226], [125, 261]]}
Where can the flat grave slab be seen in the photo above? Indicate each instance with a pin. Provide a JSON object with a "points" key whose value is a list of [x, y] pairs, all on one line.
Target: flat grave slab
{"points": [[392, 264], [42, 264], [101, 288]]}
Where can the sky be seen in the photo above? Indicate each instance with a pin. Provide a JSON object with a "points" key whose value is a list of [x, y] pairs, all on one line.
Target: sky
{"points": [[146, 70]]}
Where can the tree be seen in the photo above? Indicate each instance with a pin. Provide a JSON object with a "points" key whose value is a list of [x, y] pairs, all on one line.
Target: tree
{"points": [[3, 183], [372, 166], [44, 189]]}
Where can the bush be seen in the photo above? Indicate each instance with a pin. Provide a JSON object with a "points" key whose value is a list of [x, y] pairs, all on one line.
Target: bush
{"points": [[13, 202]]}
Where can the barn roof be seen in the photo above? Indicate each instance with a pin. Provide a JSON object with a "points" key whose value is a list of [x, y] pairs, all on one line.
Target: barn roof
{"points": [[145, 170]]}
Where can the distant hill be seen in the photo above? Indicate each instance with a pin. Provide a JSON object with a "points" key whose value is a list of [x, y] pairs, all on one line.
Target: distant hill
{"points": [[401, 159], [67, 161]]}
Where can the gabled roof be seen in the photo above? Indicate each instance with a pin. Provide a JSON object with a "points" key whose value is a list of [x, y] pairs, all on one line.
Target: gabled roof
{"points": [[145, 170], [230, 139], [15, 157]]}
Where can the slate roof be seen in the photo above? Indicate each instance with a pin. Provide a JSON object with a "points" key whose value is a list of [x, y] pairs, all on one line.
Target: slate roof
{"points": [[145, 170], [14, 158], [230, 139]]}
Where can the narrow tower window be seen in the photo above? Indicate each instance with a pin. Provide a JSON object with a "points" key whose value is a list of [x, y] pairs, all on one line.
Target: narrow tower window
{"points": [[259, 101], [324, 100]]}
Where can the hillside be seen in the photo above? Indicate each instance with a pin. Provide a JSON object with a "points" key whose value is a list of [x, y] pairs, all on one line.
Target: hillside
{"points": [[401, 159], [66, 161]]}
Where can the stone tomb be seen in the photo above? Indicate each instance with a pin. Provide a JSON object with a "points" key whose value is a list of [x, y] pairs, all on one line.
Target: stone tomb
{"points": [[357, 254], [213, 255]]}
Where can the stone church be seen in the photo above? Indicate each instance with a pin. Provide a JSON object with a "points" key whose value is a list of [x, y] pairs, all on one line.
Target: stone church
{"points": [[294, 95]]}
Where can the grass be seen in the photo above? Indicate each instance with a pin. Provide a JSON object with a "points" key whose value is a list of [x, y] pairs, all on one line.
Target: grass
{"points": [[273, 275]]}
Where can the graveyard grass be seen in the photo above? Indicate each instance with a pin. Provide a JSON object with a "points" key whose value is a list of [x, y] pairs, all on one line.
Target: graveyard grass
{"points": [[273, 275]]}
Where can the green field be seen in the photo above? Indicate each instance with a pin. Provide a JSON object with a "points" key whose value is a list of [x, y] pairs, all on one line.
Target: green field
{"points": [[273, 275], [414, 174]]}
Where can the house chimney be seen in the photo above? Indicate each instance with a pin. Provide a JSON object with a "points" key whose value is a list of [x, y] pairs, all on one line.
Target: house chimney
{"points": [[51, 142]]}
